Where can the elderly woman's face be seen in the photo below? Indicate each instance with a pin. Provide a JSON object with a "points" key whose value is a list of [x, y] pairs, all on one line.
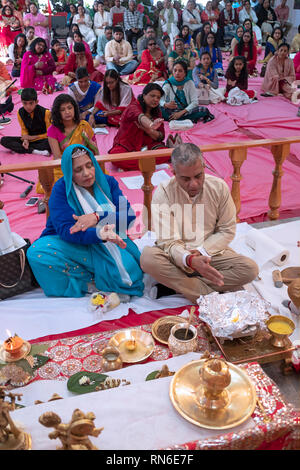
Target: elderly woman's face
{"points": [[83, 171]]}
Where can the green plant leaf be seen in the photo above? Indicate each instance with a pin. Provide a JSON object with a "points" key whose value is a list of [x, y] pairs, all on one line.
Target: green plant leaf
{"points": [[152, 375], [74, 386], [41, 360]]}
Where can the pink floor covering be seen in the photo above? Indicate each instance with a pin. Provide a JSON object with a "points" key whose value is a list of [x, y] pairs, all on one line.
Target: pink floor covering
{"points": [[268, 118]]}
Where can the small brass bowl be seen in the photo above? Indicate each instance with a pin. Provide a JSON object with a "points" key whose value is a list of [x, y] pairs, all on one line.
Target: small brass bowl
{"points": [[281, 328]]}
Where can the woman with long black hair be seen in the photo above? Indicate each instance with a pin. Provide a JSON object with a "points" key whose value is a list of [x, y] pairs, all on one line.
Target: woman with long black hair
{"points": [[247, 49], [16, 50], [141, 127], [112, 100], [237, 76]]}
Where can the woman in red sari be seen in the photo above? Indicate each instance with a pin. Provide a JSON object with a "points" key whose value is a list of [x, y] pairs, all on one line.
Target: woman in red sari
{"points": [[247, 49], [112, 100], [152, 66], [9, 28], [141, 127], [79, 58]]}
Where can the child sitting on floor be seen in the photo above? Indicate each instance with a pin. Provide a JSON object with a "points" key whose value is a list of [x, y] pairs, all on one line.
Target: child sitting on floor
{"points": [[34, 121], [59, 55], [237, 76]]}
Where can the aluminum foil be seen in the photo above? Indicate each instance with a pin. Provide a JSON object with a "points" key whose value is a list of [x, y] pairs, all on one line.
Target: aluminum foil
{"points": [[234, 314]]}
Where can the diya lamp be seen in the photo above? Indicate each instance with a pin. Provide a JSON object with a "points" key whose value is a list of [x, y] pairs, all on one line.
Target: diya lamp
{"points": [[13, 344], [131, 345], [111, 359], [281, 328], [214, 377]]}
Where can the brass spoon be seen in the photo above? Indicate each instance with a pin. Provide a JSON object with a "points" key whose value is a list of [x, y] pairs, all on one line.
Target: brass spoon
{"points": [[192, 311]]}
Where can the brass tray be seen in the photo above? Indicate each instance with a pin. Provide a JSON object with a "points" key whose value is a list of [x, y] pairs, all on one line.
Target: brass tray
{"points": [[290, 274], [183, 389], [144, 344], [7, 357], [169, 319]]}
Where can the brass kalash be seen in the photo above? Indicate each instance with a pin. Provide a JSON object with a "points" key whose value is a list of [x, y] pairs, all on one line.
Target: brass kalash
{"points": [[213, 394]]}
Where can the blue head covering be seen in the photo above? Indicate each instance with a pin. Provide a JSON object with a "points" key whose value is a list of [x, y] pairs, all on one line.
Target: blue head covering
{"points": [[107, 257], [100, 179]]}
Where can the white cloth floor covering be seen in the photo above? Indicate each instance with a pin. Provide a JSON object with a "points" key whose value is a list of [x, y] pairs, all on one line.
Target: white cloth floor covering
{"points": [[33, 315]]}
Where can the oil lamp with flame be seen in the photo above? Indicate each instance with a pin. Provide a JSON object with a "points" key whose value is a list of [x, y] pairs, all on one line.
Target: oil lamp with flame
{"points": [[13, 344]]}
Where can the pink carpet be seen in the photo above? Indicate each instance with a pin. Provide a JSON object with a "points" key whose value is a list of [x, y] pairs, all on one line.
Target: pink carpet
{"points": [[268, 118]]}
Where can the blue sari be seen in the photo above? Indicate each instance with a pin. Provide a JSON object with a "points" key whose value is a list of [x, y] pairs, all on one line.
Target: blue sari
{"points": [[87, 102], [65, 263], [216, 56]]}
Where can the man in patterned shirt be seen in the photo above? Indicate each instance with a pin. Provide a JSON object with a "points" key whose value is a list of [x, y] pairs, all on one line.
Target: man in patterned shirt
{"points": [[133, 24]]}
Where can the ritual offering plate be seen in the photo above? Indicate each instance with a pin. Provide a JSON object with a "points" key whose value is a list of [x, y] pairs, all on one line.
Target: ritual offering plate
{"points": [[161, 328], [186, 388], [134, 345], [290, 274], [21, 353]]}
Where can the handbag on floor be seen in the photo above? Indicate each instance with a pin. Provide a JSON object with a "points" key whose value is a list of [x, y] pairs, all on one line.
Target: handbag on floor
{"points": [[203, 96], [16, 276]]}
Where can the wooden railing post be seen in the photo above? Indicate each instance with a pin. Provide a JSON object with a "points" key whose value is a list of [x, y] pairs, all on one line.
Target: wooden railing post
{"points": [[46, 177], [147, 168], [280, 152], [237, 156]]}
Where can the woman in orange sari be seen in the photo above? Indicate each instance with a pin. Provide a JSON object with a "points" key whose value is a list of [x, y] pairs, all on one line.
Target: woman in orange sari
{"points": [[152, 66]]}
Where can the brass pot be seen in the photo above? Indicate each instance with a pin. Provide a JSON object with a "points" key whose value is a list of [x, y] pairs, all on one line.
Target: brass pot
{"points": [[214, 377], [111, 359], [177, 344]]}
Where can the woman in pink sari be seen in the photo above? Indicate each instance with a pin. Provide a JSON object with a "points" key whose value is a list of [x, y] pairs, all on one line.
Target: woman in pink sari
{"points": [[39, 22], [280, 74], [37, 68]]}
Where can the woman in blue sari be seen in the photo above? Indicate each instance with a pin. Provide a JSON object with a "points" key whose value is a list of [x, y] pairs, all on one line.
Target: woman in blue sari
{"points": [[210, 46], [85, 93], [79, 244]]}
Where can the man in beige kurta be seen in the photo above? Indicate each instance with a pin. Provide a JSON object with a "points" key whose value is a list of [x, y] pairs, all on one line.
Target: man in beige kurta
{"points": [[194, 219]]}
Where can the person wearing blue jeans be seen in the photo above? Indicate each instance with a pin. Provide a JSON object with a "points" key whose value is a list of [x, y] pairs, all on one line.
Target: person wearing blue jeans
{"points": [[118, 54]]}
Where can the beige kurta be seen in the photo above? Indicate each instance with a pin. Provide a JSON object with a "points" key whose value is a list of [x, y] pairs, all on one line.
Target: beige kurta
{"points": [[180, 224], [122, 49], [205, 223]]}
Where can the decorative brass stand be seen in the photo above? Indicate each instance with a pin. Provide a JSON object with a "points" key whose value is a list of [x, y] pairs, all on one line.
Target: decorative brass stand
{"points": [[11, 437]]}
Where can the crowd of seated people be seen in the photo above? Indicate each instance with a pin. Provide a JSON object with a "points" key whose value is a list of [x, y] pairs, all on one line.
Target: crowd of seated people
{"points": [[112, 46]]}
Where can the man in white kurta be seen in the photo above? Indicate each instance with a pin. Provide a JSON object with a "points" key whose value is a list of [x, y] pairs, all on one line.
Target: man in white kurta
{"points": [[194, 219], [168, 19]]}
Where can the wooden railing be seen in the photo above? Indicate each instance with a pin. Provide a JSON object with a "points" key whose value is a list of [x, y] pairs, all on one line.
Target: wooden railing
{"points": [[280, 149]]}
